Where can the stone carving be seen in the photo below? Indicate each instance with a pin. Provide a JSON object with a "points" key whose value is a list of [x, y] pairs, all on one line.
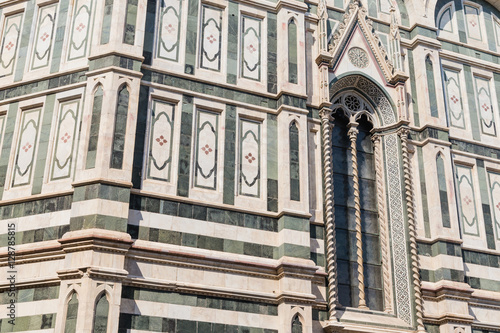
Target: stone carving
{"points": [[358, 57]]}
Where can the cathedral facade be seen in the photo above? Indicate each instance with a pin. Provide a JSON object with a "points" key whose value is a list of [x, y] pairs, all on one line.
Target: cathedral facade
{"points": [[237, 166]]}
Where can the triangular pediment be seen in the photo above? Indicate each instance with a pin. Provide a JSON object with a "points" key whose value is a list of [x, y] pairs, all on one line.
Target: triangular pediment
{"points": [[355, 44]]}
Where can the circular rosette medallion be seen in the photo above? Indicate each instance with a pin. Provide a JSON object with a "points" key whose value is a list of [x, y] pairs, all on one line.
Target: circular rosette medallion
{"points": [[358, 57]]}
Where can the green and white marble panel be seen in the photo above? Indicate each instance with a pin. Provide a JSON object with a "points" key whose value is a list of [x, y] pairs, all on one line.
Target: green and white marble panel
{"points": [[62, 161], [467, 200], [495, 200], [249, 159], [250, 48], [80, 29], [484, 106], [211, 38], [169, 29], [472, 22], [26, 147], [206, 150], [161, 137], [44, 36], [454, 98], [10, 43]]}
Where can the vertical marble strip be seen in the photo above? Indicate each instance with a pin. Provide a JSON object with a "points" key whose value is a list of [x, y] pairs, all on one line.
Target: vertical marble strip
{"points": [[140, 137], [414, 98], [249, 159], [443, 192], [2, 123], [24, 41], [272, 51], [149, 32], [169, 29], [26, 147], [59, 35], [211, 38], [185, 146], [292, 51], [469, 86], [399, 240], [497, 32], [494, 179], [205, 150], [160, 141], [250, 48], [191, 36], [454, 98], [485, 205], [472, 22], [106, 21], [489, 26], [10, 43], [43, 36], [80, 29], [431, 87], [467, 200], [272, 163], [293, 137], [485, 107], [64, 150], [130, 22], [120, 129], [71, 314], [423, 190], [94, 128], [43, 145], [10, 124], [229, 154], [232, 42], [496, 81]]}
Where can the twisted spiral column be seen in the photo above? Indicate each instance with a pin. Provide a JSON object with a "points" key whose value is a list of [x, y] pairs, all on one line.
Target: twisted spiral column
{"points": [[353, 135], [382, 219], [403, 134], [331, 246]]}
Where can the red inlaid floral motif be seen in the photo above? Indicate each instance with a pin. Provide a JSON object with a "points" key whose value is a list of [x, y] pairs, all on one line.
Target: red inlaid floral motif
{"points": [[161, 140], [170, 28], [467, 200], [65, 137], [485, 107], [206, 149], [9, 46], [454, 99], [251, 48], [44, 36], [26, 147], [80, 27], [250, 158], [211, 39]]}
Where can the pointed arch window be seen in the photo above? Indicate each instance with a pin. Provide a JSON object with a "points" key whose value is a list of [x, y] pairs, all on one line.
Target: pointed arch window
{"points": [[443, 192], [431, 86], [292, 51], [118, 145], [359, 261], [71, 314], [94, 128], [296, 325], [294, 162], [101, 314]]}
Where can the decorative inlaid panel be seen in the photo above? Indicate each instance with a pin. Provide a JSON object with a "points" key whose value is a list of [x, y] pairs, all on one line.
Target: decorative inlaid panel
{"points": [[249, 159], [358, 57], [10, 43], [495, 200], [484, 106], [453, 94], [80, 29], [211, 39], [467, 200], [169, 29], [385, 6], [250, 47], [497, 31], [472, 22], [26, 147], [44, 36], [160, 143], [206, 150], [62, 161], [445, 22]]}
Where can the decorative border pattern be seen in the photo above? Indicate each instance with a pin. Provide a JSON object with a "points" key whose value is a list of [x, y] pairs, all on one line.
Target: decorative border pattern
{"points": [[169, 29], [80, 29], [44, 37], [160, 141], [249, 159], [26, 147], [484, 106], [10, 43], [65, 143], [205, 164], [211, 38], [250, 47]]}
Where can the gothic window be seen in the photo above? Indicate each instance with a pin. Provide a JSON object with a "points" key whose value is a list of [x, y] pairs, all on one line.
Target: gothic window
{"points": [[94, 128], [443, 192], [294, 162], [119, 132], [292, 51], [431, 86], [101, 314], [71, 314], [445, 21], [296, 325], [356, 216]]}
